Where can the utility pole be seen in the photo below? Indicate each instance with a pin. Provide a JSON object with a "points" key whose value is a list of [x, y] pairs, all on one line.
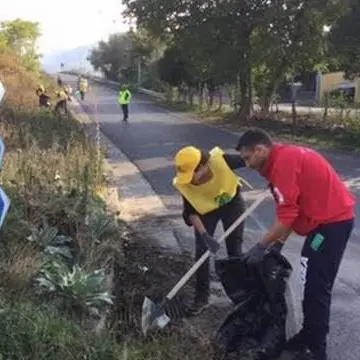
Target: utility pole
{"points": [[139, 73]]}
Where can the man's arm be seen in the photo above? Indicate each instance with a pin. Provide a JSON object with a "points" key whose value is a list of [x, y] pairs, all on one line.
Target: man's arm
{"points": [[191, 217], [188, 212], [234, 161], [277, 233], [197, 223], [286, 188]]}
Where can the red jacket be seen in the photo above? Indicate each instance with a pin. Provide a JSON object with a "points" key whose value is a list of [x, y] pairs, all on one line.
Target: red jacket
{"points": [[306, 188]]}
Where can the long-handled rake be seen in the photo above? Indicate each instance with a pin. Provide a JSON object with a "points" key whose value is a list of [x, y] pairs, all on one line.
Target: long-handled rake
{"points": [[154, 315]]}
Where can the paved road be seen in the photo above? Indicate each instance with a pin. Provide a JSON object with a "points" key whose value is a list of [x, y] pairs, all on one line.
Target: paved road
{"points": [[152, 138]]}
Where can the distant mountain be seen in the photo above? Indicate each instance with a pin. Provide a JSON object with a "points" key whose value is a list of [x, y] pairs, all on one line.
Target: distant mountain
{"points": [[72, 59]]}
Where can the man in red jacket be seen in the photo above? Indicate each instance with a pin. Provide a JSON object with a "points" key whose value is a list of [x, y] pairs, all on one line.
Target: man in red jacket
{"points": [[312, 201]]}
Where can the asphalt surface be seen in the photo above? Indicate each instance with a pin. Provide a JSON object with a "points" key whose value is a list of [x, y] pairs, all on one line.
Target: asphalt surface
{"points": [[150, 140]]}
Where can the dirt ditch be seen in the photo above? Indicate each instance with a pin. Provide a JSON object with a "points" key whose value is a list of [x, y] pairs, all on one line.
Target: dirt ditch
{"points": [[152, 271]]}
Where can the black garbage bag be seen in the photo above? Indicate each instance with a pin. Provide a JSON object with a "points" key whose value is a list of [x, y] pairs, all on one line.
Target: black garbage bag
{"points": [[256, 328]]}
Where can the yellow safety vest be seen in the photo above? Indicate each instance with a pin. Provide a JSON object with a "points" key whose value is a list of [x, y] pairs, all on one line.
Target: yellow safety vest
{"points": [[83, 85], [61, 94], [217, 192], [122, 95]]}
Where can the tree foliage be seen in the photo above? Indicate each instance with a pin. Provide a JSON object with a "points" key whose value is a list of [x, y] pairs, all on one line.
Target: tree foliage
{"points": [[345, 41], [249, 43], [119, 57], [21, 36]]}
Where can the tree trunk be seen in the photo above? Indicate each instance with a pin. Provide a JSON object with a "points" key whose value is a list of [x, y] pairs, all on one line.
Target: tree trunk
{"points": [[237, 94], [211, 93], [245, 78], [326, 106], [269, 90], [201, 94], [191, 94], [245, 95], [220, 98], [265, 104], [294, 116]]}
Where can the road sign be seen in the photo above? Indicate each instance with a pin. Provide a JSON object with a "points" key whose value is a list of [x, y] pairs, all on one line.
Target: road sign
{"points": [[2, 145], [2, 152], [2, 91], [4, 200], [4, 206]]}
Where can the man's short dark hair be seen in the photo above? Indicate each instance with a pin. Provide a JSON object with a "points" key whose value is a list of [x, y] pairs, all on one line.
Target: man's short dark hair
{"points": [[252, 137]]}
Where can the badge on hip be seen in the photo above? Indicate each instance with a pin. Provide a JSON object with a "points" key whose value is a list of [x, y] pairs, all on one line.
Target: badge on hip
{"points": [[316, 242], [223, 199]]}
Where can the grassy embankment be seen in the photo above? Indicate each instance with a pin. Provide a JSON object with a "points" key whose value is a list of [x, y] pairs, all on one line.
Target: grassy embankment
{"points": [[59, 245]]}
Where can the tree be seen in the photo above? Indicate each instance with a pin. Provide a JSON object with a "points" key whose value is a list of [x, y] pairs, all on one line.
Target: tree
{"points": [[345, 41], [21, 36], [213, 26], [111, 57], [235, 39], [172, 67], [119, 57], [293, 42]]}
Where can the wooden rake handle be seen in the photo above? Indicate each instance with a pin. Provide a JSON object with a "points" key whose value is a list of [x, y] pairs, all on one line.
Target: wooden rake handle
{"points": [[196, 266]]}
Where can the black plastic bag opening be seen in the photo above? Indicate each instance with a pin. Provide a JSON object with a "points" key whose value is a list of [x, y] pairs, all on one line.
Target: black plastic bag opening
{"points": [[256, 328]]}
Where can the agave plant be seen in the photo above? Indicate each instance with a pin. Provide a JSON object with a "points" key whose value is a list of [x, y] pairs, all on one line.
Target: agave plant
{"points": [[99, 223], [51, 242], [77, 288]]}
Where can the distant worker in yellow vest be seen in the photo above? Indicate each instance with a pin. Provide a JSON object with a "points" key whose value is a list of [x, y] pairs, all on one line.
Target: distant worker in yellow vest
{"points": [[83, 87], [44, 98], [211, 193], [62, 98], [124, 100]]}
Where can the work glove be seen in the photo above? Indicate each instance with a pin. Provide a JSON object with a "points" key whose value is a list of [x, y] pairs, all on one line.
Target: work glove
{"points": [[256, 253], [210, 242], [277, 246]]}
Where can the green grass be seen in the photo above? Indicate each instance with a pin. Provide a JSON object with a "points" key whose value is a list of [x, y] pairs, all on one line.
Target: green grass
{"points": [[39, 331], [33, 331]]}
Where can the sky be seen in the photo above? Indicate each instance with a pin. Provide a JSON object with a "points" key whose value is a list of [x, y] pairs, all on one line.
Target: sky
{"points": [[69, 23]]}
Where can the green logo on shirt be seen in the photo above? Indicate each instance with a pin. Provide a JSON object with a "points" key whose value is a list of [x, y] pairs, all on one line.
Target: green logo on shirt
{"points": [[223, 199]]}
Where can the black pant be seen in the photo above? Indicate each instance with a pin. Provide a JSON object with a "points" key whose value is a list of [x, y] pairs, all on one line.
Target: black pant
{"points": [[125, 110], [62, 104], [228, 214], [319, 268]]}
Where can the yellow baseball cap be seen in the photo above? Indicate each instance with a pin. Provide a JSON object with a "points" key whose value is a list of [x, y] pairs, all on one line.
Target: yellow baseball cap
{"points": [[186, 161]]}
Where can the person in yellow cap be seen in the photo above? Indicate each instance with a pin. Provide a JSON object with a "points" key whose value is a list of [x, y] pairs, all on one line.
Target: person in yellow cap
{"points": [[44, 99], [62, 98], [211, 193]]}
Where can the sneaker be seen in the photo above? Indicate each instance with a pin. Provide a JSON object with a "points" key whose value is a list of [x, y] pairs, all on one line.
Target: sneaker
{"points": [[304, 355], [199, 305], [296, 343], [308, 355]]}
